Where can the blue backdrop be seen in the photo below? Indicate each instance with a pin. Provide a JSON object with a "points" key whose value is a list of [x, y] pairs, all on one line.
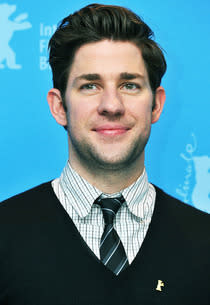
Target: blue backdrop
{"points": [[34, 147]]}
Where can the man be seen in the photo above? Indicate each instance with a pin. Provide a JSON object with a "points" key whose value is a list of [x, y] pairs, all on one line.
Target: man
{"points": [[101, 233]]}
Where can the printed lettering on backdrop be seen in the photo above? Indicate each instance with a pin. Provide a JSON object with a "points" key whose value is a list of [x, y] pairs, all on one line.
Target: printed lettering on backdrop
{"points": [[8, 26], [196, 186], [46, 31]]}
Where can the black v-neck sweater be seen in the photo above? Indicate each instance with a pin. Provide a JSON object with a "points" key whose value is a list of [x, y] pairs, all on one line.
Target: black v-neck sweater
{"points": [[45, 261]]}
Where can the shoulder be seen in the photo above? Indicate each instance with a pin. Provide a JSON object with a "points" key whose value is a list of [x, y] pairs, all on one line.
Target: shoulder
{"points": [[31, 194], [177, 205], [27, 203], [182, 216]]}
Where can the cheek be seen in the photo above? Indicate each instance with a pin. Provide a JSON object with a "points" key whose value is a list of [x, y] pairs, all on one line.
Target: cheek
{"points": [[78, 116], [141, 112], [141, 104]]}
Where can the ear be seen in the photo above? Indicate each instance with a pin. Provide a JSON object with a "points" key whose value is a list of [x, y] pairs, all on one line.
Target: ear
{"points": [[56, 106], [159, 103]]}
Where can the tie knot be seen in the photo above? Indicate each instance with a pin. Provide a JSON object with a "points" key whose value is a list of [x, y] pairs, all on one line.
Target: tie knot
{"points": [[110, 207]]}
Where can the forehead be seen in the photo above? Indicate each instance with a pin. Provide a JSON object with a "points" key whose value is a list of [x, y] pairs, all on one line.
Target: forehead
{"points": [[108, 58]]}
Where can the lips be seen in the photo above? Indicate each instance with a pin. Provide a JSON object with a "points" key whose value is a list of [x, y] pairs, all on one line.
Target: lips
{"points": [[111, 130]]}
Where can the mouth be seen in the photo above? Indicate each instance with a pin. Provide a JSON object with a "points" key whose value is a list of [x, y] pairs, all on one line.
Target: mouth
{"points": [[111, 130]]}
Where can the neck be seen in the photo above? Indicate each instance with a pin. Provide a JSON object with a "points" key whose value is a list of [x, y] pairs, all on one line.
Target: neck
{"points": [[110, 180]]}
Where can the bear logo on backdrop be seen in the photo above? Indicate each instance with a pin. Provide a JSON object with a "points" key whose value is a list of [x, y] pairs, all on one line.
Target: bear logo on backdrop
{"points": [[196, 186], [7, 29]]}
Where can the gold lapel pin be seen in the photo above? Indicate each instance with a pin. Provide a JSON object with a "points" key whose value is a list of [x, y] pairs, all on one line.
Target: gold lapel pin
{"points": [[160, 284]]}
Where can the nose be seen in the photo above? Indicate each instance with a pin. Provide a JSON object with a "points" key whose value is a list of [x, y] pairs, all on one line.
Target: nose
{"points": [[111, 104]]}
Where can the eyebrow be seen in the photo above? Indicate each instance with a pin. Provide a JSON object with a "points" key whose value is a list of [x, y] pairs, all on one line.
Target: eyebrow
{"points": [[89, 77], [96, 76]]}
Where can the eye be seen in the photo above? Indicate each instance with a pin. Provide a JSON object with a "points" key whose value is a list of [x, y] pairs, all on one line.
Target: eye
{"points": [[130, 86], [88, 86]]}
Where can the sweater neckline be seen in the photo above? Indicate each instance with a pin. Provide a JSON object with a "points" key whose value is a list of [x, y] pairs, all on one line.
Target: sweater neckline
{"points": [[140, 257]]}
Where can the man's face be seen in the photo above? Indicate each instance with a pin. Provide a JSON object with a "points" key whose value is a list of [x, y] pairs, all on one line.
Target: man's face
{"points": [[109, 105]]}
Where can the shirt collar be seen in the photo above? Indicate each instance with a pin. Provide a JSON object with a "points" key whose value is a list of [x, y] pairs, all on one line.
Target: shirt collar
{"points": [[137, 194], [81, 194]]}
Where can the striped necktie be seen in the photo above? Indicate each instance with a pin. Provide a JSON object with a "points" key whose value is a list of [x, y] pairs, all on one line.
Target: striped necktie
{"points": [[112, 252]]}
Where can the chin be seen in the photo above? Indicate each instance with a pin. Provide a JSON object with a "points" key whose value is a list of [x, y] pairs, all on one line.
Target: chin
{"points": [[114, 163], [109, 158]]}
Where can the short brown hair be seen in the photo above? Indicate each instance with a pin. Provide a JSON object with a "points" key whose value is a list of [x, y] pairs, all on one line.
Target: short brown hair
{"points": [[97, 22]]}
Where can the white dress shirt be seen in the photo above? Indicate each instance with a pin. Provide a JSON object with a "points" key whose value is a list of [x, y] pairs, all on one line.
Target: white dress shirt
{"points": [[131, 222]]}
